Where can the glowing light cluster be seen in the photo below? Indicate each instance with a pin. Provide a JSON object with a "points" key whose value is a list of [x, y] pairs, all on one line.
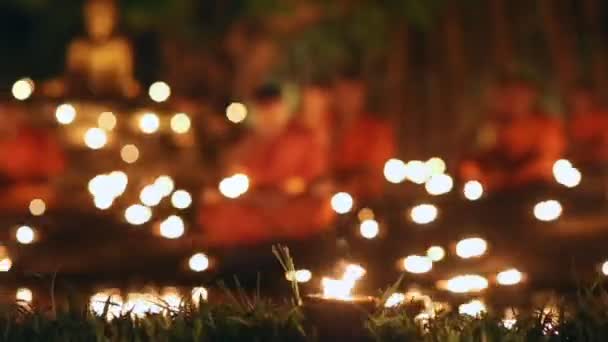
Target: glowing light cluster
{"points": [[435, 253], [99, 301], [24, 295], [106, 121], [138, 214], [199, 293], [473, 308], [369, 229], [439, 184], [234, 186], [342, 202], [424, 213], [471, 247], [394, 300], [181, 199], [65, 114], [22, 89], [473, 190], [180, 123], [25, 235], [159, 91], [301, 276], [467, 283], [417, 264], [198, 262], [549, 210], [436, 166], [172, 227], [342, 288], [395, 171], [566, 174], [509, 277], [149, 123], [95, 138], [6, 264], [417, 171], [37, 207], [236, 112], [105, 188]]}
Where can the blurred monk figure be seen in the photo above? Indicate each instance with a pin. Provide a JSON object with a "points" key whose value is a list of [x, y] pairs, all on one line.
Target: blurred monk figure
{"points": [[31, 159], [282, 163], [589, 127], [362, 142], [520, 144]]}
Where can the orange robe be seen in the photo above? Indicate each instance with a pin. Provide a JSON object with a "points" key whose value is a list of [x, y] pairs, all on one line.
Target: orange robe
{"points": [[359, 155], [268, 212]]}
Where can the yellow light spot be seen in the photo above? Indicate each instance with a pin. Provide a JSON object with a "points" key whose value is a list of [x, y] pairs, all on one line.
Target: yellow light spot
{"points": [[129, 153], [301, 276], [95, 138], [417, 264], [138, 214], [509, 277], [436, 165], [435, 253], [395, 171], [439, 184], [150, 195], [417, 172], [337, 288], [37, 207], [25, 235], [181, 199], [471, 247], [65, 114], [353, 272], [23, 89], [106, 121], [473, 190], [159, 91], [24, 295], [424, 213], [198, 262], [5, 264], [342, 202], [234, 186], [365, 214], [149, 123], [473, 308], [98, 303], [171, 299], [236, 112], [548, 210], [164, 184], [467, 283], [394, 300], [369, 229], [199, 293], [605, 268], [172, 227], [180, 123]]}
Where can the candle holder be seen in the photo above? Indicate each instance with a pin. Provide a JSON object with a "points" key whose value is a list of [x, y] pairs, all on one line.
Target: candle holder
{"points": [[339, 319]]}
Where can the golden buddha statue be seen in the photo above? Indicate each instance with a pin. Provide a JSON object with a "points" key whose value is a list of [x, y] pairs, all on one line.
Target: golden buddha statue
{"points": [[100, 63]]}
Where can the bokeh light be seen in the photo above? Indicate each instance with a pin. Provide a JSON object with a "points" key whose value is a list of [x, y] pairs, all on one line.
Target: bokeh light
{"points": [[24, 295], [353, 272], [22, 89], [181, 199], [65, 114], [417, 171], [106, 121], [436, 166], [424, 213], [234, 186], [605, 268], [165, 185], [417, 264], [342, 202], [129, 153], [150, 195], [149, 123], [5, 264], [301, 276], [471, 247], [473, 190], [549, 210], [435, 253], [337, 288], [395, 171], [172, 227], [473, 308], [103, 202], [95, 138], [369, 229], [467, 283], [138, 214], [98, 303], [199, 293], [25, 235], [159, 91], [509, 277], [394, 300], [236, 112], [439, 184], [198, 262], [180, 123], [37, 207], [365, 214], [565, 174]]}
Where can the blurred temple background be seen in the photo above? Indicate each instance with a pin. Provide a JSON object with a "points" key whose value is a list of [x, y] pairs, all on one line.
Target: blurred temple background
{"points": [[171, 143]]}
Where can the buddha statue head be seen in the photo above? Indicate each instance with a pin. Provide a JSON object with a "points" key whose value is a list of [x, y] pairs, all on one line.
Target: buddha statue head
{"points": [[100, 19]]}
